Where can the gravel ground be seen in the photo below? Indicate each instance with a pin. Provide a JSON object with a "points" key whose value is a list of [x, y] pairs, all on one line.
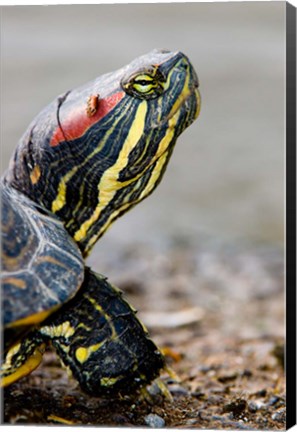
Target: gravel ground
{"points": [[217, 312]]}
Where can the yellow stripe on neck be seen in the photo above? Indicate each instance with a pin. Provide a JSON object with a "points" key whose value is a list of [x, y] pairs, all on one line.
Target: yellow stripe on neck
{"points": [[60, 200], [109, 184], [149, 187], [161, 157]]}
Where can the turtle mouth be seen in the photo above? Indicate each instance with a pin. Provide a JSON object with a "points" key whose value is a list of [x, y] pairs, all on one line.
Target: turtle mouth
{"points": [[190, 101], [197, 95], [187, 99]]}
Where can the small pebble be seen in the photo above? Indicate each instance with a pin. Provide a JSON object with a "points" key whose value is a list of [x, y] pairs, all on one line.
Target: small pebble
{"points": [[205, 369], [178, 389], [258, 405], [253, 407], [154, 389], [191, 422], [273, 400], [262, 393], [154, 421], [226, 378], [120, 419], [247, 373], [22, 419], [280, 415], [198, 394], [236, 407]]}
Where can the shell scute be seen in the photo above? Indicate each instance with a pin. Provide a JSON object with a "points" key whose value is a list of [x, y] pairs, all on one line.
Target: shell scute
{"points": [[41, 265]]}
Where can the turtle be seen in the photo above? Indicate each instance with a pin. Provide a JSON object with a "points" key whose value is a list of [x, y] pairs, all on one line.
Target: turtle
{"points": [[85, 160]]}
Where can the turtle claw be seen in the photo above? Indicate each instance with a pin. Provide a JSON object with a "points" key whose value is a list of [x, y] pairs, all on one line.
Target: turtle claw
{"points": [[172, 374], [146, 396], [164, 390]]}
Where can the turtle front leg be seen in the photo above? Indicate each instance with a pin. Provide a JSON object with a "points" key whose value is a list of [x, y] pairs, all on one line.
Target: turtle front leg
{"points": [[99, 338], [22, 358]]}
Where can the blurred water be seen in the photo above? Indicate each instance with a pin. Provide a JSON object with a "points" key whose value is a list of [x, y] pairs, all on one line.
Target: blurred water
{"points": [[226, 177]]}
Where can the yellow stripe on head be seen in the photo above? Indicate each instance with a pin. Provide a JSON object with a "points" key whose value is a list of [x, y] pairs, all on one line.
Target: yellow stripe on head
{"points": [[161, 157], [60, 200]]}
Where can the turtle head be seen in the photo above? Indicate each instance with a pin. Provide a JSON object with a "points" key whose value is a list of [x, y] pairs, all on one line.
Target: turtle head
{"points": [[98, 150], [167, 84], [164, 88]]}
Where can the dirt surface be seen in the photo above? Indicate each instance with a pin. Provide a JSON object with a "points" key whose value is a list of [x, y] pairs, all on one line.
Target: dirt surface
{"points": [[217, 312]]}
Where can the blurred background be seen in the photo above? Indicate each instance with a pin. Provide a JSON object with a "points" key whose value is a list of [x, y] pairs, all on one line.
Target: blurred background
{"points": [[226, 176], [212, 235]]}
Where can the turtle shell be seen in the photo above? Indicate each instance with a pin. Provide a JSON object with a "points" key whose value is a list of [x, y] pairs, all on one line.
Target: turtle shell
{"points": [[42, 267]]}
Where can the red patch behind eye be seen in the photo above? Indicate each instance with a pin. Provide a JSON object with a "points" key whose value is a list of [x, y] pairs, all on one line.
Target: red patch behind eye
{"points": [[77, 122]]}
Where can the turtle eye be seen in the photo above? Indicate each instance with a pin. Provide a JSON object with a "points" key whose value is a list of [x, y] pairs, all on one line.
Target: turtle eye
{"points": [[143, 86]]}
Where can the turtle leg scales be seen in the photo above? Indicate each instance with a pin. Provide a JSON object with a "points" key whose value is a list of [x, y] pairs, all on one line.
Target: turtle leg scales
{"points": [[99, 338], [22, 358]]}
